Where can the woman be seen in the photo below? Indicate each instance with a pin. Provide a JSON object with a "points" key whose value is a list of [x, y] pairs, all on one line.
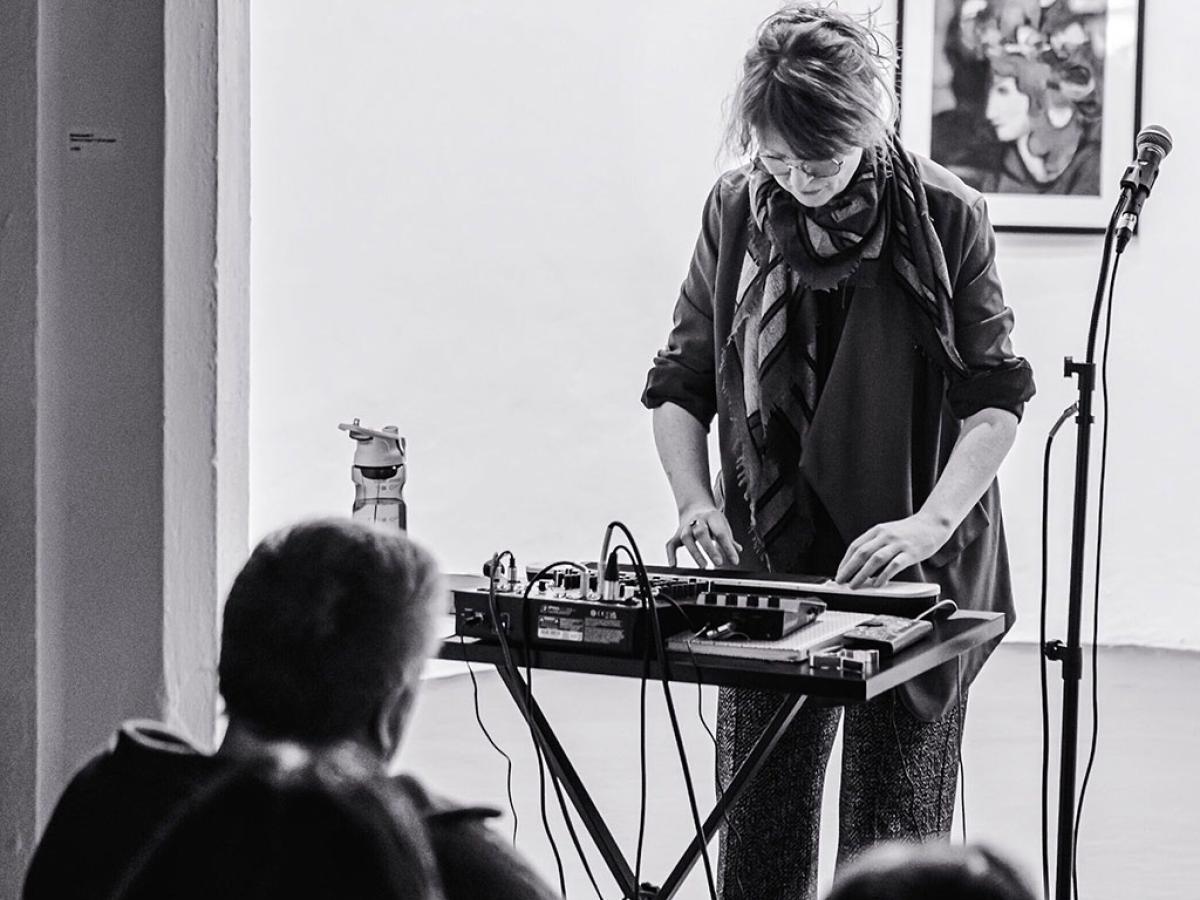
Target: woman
{"points": [[1050, 143], [843, 321]]}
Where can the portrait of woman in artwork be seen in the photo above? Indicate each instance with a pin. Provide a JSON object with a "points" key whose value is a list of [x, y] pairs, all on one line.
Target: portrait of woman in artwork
{"points": [[1022, 110]]}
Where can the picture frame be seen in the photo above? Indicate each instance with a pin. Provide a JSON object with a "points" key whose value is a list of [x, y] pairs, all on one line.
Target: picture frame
{"points": [[1036, 104]]}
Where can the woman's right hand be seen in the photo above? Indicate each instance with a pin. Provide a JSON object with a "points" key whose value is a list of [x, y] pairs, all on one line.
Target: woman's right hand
{"points": [[706, 534]]}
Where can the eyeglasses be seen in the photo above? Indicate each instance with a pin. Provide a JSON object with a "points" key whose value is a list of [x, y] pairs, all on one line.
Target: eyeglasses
{"points": [[821, 168]]}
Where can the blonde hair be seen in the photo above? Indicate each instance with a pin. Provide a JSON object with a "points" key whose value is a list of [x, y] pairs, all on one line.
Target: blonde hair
{"points": [[819, 78]]}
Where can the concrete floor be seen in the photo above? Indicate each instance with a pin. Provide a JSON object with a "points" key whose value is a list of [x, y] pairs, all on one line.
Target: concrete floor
{"points": [[1140, 835]]}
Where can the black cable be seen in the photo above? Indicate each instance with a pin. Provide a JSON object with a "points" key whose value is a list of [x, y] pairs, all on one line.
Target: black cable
{"points": [[478, 718], [541, 763], [733, 831], [515, 674], [1042, 660], [703, 721], [562, 804], [962, 764], [1087, 774], [699, 684], [647, 598], [644, 679], [912, 805], [664, 672], [1066, 414], [700, 694]]}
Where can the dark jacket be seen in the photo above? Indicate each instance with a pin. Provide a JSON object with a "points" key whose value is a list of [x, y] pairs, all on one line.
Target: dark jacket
{"points": [[120, 801], [890, 412]]}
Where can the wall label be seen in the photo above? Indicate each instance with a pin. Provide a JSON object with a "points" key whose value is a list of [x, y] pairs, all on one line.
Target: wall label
{"points": [[93, 142]]}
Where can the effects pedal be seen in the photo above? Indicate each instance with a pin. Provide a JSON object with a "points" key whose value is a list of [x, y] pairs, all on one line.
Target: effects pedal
{"points": [[887, 634], [560, 612]]}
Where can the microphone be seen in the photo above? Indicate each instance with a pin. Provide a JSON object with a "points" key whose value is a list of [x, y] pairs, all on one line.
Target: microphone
{"points": [[1153, 144]]}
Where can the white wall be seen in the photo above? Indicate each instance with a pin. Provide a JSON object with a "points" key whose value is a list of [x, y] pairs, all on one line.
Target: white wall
{"points": [[472, 220], [100, 386], [1149, 576], [116, 297], [18, 440]]}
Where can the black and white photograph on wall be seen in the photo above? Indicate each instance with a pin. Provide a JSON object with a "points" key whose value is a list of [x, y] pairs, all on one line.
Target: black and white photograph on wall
{"points": [[1033, 102]]}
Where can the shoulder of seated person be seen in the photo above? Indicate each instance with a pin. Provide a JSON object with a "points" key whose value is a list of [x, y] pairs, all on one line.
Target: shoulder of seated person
{"points": [[142, 743], [154, 735], [149, 736], [436, 808], [141, 750]]}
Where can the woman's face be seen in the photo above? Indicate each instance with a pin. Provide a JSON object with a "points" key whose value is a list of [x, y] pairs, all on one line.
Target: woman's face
{"points": [[811, 191], [1008, 109]]}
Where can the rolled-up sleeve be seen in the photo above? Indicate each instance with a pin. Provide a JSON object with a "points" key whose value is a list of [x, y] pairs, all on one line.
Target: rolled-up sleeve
{"points": [[996, 376], [684, 371]]}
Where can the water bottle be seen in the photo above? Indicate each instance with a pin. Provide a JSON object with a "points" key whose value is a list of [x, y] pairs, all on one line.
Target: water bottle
{"points": [[379, 472]]}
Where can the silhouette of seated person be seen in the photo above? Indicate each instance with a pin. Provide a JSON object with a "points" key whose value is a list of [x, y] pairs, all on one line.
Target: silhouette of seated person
{"points": [[290, 825], [897, 871], [326, 629]]}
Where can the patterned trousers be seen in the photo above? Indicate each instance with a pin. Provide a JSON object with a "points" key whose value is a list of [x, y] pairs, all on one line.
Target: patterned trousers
{"points": [[899, 776]]}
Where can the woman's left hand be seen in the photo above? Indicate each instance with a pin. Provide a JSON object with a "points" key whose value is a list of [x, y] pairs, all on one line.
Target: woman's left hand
{"points": [[879, 554]]}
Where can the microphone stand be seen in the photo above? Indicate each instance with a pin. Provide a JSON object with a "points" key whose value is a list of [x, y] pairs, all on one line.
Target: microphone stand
{"points": [[1070, 654]]}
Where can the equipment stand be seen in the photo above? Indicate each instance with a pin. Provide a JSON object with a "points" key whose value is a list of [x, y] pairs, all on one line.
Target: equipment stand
{"points": [[561, 766], [1070, 654]]}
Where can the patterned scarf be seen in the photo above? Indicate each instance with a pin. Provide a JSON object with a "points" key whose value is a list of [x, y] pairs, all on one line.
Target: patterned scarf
{"points": [[792, 253]]}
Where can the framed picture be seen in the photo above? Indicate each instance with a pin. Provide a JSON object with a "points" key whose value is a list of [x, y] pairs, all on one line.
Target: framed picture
{"points": [[1036, 103]]}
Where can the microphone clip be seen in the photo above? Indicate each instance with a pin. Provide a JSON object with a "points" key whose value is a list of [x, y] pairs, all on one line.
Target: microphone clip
{"points": [[1139, 176]]}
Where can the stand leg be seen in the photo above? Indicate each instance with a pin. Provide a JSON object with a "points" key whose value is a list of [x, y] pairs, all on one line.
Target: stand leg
{"points": [[1071, 654], [561, 766], [741, 779]]}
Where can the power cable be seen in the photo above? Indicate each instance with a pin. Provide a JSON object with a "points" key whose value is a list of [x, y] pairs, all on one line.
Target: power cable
{"points": [[1066, 414], [664, 672], [478, 718], [1087, 774], [500, 627]]}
